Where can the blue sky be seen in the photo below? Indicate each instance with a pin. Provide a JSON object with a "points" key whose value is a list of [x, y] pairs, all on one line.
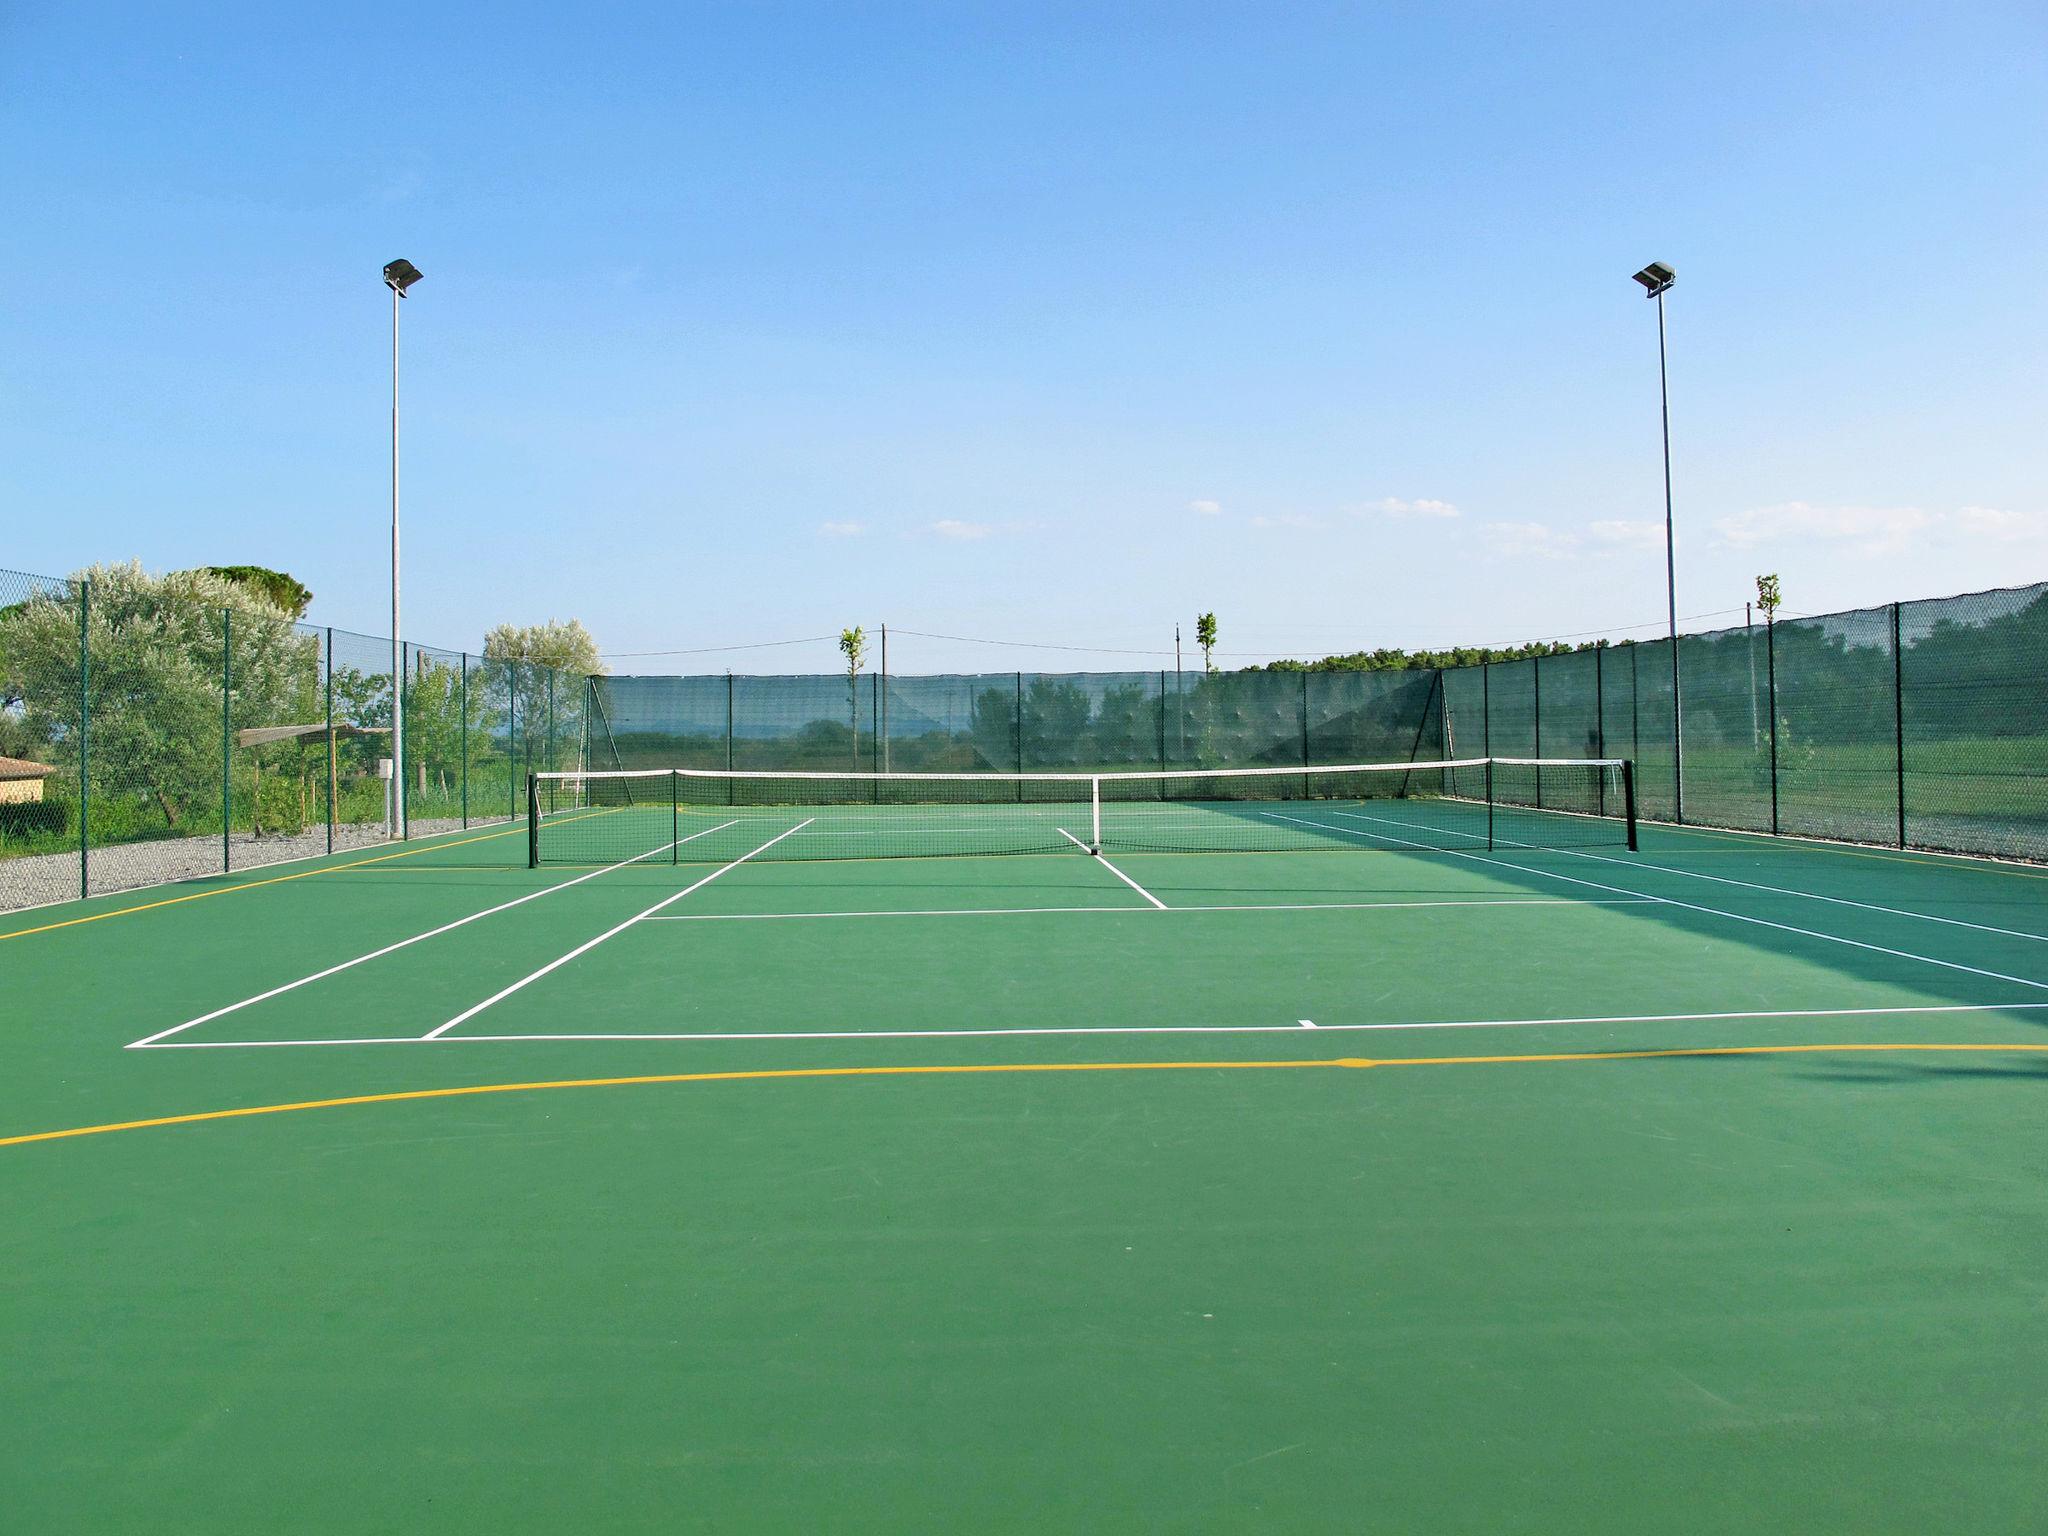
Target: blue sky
{"points": [[1036, 322]]}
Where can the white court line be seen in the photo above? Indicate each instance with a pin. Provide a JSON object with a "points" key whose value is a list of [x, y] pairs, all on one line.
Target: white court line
{"points": [[1250, 906], [388, 949], [1129, 1029], [1127, 880], [1757, 885], [1687, 906], [590, 944]]}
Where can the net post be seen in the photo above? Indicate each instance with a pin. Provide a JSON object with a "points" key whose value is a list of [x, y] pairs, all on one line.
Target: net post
{"points": [[84, 735], [532, 820], [227, 790], [1899, 718], [1489, 805], [675, 817], [1628, 798], [1094, 814]]}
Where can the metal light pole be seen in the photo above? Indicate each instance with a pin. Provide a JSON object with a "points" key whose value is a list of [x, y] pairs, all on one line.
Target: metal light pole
{"points": [[398, 276], [1657, 279]]}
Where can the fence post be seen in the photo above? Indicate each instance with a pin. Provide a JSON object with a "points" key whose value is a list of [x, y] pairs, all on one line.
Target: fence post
{"points": [[1635, 707], [1899, 718], [1486, 721], [1162, 731], [84, 735], [465, 741], [227, 683], [397, 745], [1599, 701], [730, 791], [333, 775], [1771, 699], [675, 817], [1020, 734], [1536, 720], [512, 763]]}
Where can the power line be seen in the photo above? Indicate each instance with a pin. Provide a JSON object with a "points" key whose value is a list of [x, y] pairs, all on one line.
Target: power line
{"points": [[704, 650]]}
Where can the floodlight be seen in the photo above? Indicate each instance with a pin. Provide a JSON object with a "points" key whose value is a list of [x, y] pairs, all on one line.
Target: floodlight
{"points": [[1655, 278], [400, 275]]}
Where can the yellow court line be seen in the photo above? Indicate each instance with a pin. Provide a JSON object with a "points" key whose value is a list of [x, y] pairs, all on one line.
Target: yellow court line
{"points": [[250, 885], [978, 1068]]}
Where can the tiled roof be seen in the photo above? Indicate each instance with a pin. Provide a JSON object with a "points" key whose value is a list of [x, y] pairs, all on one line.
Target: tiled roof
{"points": [[22, 768]]}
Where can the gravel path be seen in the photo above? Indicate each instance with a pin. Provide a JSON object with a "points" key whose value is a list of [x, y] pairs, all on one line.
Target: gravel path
{"points": [[48, 877]]}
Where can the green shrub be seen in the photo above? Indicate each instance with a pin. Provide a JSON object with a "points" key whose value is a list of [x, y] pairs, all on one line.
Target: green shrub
{"points": [[23, 820]]}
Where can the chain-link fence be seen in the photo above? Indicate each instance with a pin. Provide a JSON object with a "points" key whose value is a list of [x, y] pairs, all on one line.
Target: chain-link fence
{"points": [[163, 728], [157, 728]]}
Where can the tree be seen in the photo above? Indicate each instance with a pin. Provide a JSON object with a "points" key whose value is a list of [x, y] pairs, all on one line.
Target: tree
{"points": [[1205, 637], [853, 645], [155, 648], [281, 591], [567, 647], [1768, 596]]}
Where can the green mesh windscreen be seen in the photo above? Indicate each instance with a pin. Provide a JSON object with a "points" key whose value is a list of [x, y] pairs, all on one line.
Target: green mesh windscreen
{"points": [[1974, 707]]}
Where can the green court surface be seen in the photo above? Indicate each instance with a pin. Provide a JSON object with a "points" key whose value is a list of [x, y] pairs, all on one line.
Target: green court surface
{"points": [[1702, 1189]]}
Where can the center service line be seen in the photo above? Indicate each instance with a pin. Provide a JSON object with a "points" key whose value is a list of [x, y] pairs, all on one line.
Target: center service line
{"points": [[590, 944]]}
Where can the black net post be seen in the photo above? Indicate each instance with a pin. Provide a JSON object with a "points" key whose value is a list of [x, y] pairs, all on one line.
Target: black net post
{"points": [[227, 790], [1628, 798], [1489, 805], [532, 820], [1771, 702], [84, 733], [1899, 719]]}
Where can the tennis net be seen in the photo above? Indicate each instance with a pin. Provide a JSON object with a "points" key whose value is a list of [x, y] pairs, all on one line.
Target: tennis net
{"points": [[689, 815]]}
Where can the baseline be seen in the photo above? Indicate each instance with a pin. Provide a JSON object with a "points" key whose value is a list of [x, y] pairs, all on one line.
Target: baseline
{"points": [[1299, 1026]]}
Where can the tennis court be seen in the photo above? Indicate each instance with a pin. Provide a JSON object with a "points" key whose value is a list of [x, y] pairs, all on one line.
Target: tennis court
{"points": [[707, 1173]]}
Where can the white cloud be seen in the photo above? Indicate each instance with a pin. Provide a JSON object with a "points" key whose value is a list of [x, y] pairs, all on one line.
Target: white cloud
{"points": [[1866, 530], [1395, 506], [1206, 508], [1285, 520], [1999, 523], [1625, 533], [842, 530], [1539, 540], [953, 528]]}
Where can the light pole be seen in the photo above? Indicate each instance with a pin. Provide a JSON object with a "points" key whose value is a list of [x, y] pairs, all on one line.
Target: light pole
{"points": [[1657, 279], [398, 276]]}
